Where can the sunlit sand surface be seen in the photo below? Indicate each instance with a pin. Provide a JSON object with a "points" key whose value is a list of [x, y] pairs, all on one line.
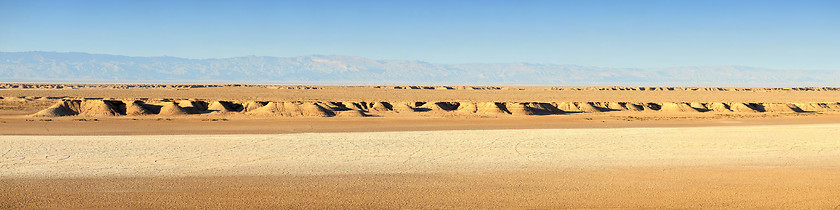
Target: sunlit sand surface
{"points": [[731, 166]]}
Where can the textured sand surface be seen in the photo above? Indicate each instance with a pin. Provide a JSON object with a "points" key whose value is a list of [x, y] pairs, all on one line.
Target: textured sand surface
{"points": [[153, 125], [664, 187], [418, 151], [782, 166]]}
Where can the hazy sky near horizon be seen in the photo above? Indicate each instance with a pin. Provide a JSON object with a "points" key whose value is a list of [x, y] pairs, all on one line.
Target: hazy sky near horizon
{"points": [[771, 34]]}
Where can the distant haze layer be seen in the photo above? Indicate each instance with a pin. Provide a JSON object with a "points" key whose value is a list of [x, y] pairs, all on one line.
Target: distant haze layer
{"points": [[332, 69]]}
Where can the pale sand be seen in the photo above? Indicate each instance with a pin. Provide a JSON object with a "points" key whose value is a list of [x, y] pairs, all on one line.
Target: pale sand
{"points": [[418, 151], [781, 166], [153, 125]]}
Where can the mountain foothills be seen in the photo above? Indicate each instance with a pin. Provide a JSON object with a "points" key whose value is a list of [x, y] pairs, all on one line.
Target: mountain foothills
{"points": [[75, 67]]}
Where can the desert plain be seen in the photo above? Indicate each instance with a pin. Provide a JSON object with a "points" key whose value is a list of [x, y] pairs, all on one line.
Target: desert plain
{"points": [[280, 146]]}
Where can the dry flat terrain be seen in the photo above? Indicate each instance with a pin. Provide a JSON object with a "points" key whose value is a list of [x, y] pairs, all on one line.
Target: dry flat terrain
{"points": [[201, 146], [745, 166]]}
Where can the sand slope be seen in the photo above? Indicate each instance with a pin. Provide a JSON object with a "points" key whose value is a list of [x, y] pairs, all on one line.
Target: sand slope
{"points": [[440, 108]]}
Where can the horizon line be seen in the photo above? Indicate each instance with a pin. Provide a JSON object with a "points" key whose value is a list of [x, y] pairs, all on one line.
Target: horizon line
{"points": [[417, 60]]}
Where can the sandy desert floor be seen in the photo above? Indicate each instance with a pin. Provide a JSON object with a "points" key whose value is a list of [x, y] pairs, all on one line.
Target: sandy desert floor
{"points": [[781, 166], [614, 159]]}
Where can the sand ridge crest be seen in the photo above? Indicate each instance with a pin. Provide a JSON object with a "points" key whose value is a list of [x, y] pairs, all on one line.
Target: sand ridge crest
{"points": [[169, 107]]}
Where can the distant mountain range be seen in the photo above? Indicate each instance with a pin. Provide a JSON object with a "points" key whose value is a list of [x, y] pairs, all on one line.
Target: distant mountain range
{"points": [[331, 69]]}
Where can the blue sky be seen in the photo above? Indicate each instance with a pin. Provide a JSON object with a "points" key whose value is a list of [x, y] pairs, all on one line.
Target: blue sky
{"points": [[771, 34]]}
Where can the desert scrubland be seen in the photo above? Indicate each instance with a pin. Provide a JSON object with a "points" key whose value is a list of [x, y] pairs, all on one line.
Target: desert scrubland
{"points": [[227, 146]]}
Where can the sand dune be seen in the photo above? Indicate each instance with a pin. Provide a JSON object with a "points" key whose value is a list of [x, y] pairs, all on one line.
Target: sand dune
{"points": [[192, 106], [380, 107], [719, 107], [466, 107], [252, 105], [402, 107], [63, 108], [433, 107], [817, 107], [743, 107], [677, 107], [99, 108], [328, 109], [133, 108], [588, 107], [224, 106], [171, 109], [315, 110], [780, 107], [490, 108], [351, 113], [520, 109], [616, 106]]}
